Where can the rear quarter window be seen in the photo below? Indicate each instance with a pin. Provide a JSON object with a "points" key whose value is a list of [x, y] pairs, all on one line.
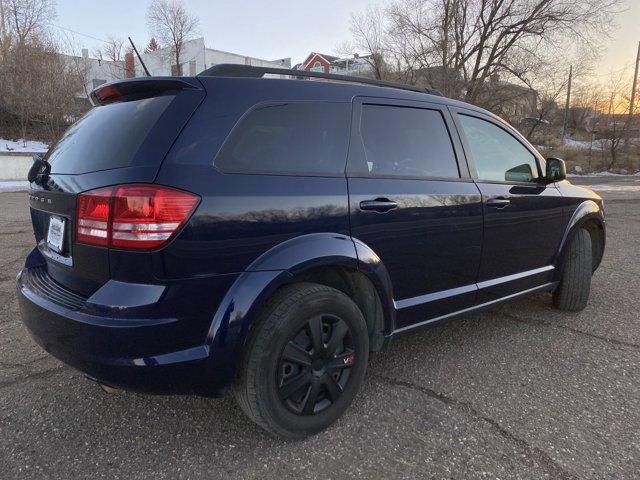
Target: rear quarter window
{"points": [[303, 138], [107, 136]]}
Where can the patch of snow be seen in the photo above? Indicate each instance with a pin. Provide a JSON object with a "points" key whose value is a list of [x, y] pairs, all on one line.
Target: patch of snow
{"points": [[600, 174], [615, 188], [11, 186], [22, 146], [586, 144], [570, 142]]}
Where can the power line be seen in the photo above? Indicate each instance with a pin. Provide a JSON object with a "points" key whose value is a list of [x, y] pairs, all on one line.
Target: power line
{"points": [[79, 33]]}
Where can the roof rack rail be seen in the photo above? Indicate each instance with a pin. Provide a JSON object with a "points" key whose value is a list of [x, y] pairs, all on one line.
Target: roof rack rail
{"points": [[232, 70]]}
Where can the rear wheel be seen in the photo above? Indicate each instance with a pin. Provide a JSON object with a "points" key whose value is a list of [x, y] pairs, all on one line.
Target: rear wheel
{"points": [[572, 293], [304, 361]]}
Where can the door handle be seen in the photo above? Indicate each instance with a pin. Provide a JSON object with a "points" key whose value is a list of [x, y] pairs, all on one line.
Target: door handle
{"points": [[381, 205], [499, 202]]}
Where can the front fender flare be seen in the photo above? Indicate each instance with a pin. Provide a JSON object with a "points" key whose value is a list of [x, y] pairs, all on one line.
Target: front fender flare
{"points": [[586, 211]]}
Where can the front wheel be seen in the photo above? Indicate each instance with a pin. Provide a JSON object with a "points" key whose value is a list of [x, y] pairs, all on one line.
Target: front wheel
{"points": [[304, 362], [572, 293]]}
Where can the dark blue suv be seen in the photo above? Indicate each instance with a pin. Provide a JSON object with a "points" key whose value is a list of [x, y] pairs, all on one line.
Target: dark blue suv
{"points": [[232, 231]]}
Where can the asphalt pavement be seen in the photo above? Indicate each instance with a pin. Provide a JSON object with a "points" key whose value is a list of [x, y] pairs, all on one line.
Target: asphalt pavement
{"points": [[522, 391]]}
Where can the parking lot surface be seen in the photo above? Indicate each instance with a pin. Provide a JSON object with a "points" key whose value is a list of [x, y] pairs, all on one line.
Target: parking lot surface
{"points": [[522, 391]]}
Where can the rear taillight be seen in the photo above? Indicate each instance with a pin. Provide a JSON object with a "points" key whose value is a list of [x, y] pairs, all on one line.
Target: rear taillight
{"points": [[137, 217], [93, 217]]}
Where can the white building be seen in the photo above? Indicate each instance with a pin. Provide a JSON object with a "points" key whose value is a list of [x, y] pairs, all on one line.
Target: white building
{"points": [[195, 58], [94, 71]]}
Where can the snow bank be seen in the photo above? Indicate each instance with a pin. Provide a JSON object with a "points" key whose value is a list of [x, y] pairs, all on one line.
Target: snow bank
{"points": [[22, 146]]}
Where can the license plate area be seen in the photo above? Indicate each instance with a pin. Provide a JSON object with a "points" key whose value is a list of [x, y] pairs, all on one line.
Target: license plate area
{"points": [[56, 233]]}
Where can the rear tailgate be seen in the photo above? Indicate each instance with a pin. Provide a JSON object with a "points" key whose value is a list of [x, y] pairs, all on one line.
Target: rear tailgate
{"points": [[123, 139]]}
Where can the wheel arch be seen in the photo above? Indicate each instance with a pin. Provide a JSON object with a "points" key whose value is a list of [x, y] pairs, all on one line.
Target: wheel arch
{"points": [[330, 259], [590, 216]]}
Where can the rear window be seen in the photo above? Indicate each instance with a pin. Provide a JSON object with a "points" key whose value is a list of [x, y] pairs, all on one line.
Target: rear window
{"points": [[107, 136], [293, 138]]}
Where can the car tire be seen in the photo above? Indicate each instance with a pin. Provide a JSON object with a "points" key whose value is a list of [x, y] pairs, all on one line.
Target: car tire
{"points": [[572, 293], [296, 343]]}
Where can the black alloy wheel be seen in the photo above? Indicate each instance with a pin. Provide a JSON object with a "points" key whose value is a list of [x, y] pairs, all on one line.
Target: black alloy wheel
{"points": [[315, 365], [304, 361]]}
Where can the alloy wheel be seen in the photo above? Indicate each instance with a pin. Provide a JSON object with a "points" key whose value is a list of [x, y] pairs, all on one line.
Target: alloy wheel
{"points": [[315, 365]]}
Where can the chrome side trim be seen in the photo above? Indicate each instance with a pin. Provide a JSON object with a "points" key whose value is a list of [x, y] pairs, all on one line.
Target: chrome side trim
{"points": [[431, 297], [515, 276], [541, 288]]}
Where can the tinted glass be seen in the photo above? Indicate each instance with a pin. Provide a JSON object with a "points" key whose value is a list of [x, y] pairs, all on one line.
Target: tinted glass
{"points": [[294, 138], [497, 154], [107, 136], [401, 141]]}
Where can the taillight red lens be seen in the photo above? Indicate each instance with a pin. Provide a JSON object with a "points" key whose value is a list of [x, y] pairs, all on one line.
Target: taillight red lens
{"points": [[140, 217], [93, 217], [146, 216]]}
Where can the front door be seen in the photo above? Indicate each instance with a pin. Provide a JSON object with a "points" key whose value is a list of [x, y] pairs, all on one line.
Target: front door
{"points": [[523, 223], [412, 202]]}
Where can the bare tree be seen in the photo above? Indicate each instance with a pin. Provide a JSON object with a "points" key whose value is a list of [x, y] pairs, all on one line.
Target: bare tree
{"points": [[550, 81], [27, 18], [114, 51], [170, 21], [368, 31], [39, 86], [459, 46], [619, 122]]}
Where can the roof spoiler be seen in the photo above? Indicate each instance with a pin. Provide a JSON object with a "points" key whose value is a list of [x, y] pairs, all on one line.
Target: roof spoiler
{"points": [[139, 88], [248, 71]]}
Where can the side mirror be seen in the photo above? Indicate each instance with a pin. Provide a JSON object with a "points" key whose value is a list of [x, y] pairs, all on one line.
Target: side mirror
{"points": [[556, 170]]}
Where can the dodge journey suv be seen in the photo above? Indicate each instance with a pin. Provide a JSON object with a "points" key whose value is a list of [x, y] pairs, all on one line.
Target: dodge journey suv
{"points": [[242, 231]]}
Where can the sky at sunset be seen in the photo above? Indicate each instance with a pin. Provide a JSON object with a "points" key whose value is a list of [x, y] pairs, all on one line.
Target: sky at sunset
{"points": [[282, 28], [620, 51]]}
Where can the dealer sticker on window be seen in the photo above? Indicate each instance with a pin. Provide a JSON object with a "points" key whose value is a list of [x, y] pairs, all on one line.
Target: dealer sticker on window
{"points": [[55, 235]]}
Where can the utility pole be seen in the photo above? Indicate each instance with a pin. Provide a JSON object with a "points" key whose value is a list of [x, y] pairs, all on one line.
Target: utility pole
{"points": [[566, 106], [3, 32], [632, 103]]}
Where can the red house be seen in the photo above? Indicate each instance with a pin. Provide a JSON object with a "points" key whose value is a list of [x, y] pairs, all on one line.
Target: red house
{"points": [[318, 62]]}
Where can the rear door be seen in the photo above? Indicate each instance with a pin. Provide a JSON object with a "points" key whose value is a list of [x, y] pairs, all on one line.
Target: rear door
{"points": [[123, 139], [413, 203], [523, 217]]}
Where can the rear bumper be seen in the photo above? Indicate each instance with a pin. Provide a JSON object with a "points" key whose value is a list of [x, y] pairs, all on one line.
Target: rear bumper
{"points": [[143, 346]]}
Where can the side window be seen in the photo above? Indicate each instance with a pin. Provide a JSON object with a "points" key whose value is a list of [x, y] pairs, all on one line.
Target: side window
{"points": [[293, 138], [405, 141], [498, 155]]}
